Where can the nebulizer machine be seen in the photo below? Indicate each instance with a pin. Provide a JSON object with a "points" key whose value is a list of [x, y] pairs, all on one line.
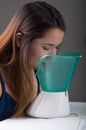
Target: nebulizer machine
{"points": [[55, 73]]}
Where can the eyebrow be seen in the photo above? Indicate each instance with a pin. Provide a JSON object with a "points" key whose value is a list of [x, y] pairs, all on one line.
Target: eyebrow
{"points": [[50, 44]]}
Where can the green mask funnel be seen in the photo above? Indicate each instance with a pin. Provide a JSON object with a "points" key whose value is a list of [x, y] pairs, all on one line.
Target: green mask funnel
{"points": [[55, 72]]}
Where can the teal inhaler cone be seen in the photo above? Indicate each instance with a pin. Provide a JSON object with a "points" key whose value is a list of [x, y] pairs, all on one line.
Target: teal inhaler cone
{"points": [[55, 73]]}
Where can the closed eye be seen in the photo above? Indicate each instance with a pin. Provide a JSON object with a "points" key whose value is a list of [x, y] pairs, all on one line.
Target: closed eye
{"points": [[49, 46], [57, 47], [46, 47]]}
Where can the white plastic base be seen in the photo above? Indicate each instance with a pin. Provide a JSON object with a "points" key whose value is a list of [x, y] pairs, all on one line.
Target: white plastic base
{"points": [[50, 105]]}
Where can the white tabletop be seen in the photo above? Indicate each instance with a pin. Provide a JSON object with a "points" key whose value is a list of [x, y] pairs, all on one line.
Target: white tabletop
{"points": [[65, 123]]}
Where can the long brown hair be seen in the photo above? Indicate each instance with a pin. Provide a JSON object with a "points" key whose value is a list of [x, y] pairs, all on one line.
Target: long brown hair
{"points": [[32, 20]]}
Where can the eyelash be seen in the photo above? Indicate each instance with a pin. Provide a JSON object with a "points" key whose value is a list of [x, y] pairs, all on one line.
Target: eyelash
{"points": [[47, 48], [57, 48]]}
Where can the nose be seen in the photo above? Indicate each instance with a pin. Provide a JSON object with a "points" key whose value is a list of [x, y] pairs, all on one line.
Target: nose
{"points": [[53, 51]]}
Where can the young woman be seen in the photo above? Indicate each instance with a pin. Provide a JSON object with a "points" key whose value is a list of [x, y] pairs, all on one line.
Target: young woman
{"points": [[35, 30]]}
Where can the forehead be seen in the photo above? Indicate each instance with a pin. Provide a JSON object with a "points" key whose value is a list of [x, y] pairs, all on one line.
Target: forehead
{"points": [[53, 36]]}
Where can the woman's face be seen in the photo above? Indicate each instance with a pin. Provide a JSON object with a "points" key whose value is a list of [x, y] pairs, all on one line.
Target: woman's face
{"points": [[46, 45]]}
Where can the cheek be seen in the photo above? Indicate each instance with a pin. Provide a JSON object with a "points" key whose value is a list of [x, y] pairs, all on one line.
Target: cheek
{"points": [[35, 54]]}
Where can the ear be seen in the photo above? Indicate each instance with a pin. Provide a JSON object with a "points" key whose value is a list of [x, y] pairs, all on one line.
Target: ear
{"points": [[18, 39]]}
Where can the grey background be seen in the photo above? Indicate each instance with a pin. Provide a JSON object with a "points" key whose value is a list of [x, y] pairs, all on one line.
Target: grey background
{"points": [[74, 12]]}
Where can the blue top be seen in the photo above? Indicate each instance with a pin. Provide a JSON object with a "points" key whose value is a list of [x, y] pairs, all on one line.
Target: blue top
{"points": [[7, 103]]}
